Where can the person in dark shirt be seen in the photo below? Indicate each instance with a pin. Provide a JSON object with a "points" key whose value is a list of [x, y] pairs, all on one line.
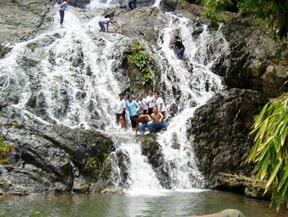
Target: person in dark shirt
{"points": [[178, 46]]}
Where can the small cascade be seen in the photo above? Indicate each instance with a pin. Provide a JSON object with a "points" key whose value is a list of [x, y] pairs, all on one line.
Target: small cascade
{"points": [[131, 170]]}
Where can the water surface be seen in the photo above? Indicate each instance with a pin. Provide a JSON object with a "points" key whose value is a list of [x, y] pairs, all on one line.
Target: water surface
{"points": [[166, 204]]}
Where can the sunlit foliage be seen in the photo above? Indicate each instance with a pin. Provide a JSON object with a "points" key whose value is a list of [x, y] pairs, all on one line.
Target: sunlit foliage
{"points": [[270, 151]]}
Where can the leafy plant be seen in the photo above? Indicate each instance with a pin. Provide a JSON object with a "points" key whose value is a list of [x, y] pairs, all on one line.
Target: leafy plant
{"points": [[5, 149], [32, 46], [212, 7], [147, 80], [141, 61], [270, 151], [273, 11], [92, 164]]}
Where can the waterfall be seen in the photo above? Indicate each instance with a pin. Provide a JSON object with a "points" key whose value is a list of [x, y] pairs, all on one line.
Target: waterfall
{"points": [[197, 86], [69, 76]]}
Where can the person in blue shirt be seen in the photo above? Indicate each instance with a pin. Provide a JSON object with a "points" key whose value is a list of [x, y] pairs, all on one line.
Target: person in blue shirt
{"points": [[63, 7], [132, 107]]}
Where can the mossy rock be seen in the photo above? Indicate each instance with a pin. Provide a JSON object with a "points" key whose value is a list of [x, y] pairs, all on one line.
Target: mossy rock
{"points": [[32, 46], [4, 50]]}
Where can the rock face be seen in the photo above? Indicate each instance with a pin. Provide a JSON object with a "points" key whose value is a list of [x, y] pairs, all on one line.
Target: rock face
{"points": [[252, 62], [53, 157], [219, 132], [21, 19], [152, 149]]}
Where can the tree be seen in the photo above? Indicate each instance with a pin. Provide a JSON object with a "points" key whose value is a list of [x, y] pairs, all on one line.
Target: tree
{"points": [[270, 151], [275, 12]]}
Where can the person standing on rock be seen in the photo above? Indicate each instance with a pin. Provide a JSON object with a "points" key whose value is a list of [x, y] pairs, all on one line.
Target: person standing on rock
{"points": [[120, 109], [160, 104], [132, 107], [150, 102], [62, 8], [142, 103], [178, 47]]}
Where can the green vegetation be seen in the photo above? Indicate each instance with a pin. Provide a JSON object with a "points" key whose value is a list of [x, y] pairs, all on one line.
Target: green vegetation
{"points": [[96, 163], [275, 12], [140, 59], [270, 152], [5, 149], [212, 7], [3, 50], [32, 46]]}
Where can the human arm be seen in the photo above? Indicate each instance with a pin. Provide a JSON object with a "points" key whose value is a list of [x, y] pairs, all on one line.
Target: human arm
{"points": [[161, 117]]}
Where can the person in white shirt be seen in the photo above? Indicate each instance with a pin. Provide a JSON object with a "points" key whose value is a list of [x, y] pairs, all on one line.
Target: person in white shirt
{"points": [[142, 103], [150, 102], [160, 104], [120, 109], [105, 21]]}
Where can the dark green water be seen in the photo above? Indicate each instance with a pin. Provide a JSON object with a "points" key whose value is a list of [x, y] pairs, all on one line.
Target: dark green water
{"points": [[169, 204]]}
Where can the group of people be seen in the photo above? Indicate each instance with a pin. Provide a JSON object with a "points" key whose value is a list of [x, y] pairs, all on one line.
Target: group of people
{"points": [[144, 113]]}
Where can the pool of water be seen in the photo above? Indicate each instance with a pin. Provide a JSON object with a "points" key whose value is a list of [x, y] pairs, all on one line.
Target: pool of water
{"points": [[165, 204]]}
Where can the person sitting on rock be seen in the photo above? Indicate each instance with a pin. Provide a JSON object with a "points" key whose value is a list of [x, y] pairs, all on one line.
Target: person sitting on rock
{"points": [[158, 121], [143, 122]]}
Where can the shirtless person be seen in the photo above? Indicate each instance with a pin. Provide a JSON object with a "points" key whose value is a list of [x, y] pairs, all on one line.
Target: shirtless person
{"points": [[158, 121], [145, 121]]}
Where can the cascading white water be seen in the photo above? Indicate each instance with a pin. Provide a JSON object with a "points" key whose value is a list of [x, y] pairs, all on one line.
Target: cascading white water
{"points": [[196, 88], [74, 83]]}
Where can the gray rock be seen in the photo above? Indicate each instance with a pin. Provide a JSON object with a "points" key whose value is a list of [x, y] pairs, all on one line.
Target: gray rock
{"points": [[224, 213], [220, 132]]}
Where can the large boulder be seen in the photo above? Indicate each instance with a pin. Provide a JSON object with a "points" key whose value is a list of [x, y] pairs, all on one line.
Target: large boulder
{"points": [[252, 62], [153, 151], [53, 157], [219, 133]]}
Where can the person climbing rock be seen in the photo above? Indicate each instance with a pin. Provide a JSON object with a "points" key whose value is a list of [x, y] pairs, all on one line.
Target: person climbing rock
{"points": [[178, 47], [106, 21]]}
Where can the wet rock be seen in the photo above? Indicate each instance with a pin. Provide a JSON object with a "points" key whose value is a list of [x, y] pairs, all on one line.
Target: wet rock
{"points": [[242, 184], [169, 5], [220, 132], [153, 151], [79, 3], [112, 190], [53, 157], [225, 213]]}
